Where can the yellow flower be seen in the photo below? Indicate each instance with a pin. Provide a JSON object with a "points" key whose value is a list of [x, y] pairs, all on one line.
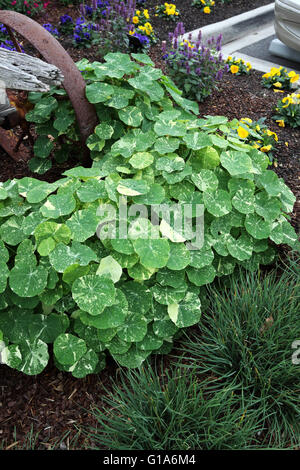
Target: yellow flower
{"points": [[269, 133], [135, 19], [277, 84], [294, 79], [280, 122], [138, 12], [146, 14], [234, 69], [277, 91], [212, 3], [229, 58], [131, 33], [266, 75], [255, 146], [266, 148], [257, 127], [243, 134], [206, 10], [286, 143], [247, 120]]}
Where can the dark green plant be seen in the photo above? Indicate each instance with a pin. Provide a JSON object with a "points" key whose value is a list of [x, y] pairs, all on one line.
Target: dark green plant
{"points": [[195, 67], [90, 293], [288, 111], [160, 409], [246, 341]]}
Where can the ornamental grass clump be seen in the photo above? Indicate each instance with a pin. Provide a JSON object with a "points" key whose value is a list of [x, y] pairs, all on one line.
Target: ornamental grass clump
{"points": [[195, 67], [288, 111], [112, 260], [238, 66], [279, 79], [249, 339], [168, 11]]}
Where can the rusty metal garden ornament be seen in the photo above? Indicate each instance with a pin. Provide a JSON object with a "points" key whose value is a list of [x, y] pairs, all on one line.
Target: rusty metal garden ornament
{"points": [[53, 52]]}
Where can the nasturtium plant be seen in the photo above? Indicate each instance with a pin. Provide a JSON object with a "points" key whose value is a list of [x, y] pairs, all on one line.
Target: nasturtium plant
{"points": [[70, 278]]}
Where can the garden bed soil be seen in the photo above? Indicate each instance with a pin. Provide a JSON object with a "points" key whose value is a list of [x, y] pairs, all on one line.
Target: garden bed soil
{"points": [[54, 402]]}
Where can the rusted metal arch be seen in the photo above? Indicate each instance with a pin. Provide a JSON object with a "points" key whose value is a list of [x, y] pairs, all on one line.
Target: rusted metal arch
{"points": [[55, 54]]}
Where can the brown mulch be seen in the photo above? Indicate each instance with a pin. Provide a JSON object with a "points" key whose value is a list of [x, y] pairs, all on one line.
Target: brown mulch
{"points": [[53, 402]]}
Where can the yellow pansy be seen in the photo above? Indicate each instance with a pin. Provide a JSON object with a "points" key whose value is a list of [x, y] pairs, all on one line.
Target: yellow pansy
{"points": [[146, 14], [138, 12], [206, 10], [234, 69], [280, 122], [135, 19], [277, 91], [266, 148], [247, 120], [243, 133], [277, 84], [272, 133], [229, 58]]}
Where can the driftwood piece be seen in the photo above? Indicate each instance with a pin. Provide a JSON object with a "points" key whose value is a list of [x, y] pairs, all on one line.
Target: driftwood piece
{"points": [[23, 72]]}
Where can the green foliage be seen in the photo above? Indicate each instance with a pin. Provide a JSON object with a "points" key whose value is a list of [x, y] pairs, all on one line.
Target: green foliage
{"points": [[170, 409], [246, 341], [195, 67], [288, 111], [28, 8], [68, 278]]}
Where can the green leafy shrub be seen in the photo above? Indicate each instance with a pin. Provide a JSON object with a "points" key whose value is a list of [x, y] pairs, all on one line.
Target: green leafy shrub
{"points": [[288, 111], [62, 282], [247, 341], [195, 67], [279, 79]]}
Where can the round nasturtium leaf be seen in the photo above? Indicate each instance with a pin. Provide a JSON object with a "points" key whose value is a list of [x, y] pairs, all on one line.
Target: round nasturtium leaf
{"points": [[133, 329], [68, 348], [141, 160], [132, 358], [93, 293], [85, 365], [11, 356], [168, 295], [11, 230], [35, 357], [167, 277], [92, 190], [270, 182], [111, 268], [130, 187], [179, 257], [201, 276], [153, 253], [236, 163], [82, 225], [205, 180], [187, 312], [240, 248], [64, 256], [58, 205], [244, 200], [218, 203], [27, 280], [138, 296], [268, 207], [201, 258], [131, 115], [111, 317], [4, 273], [257, 226]]}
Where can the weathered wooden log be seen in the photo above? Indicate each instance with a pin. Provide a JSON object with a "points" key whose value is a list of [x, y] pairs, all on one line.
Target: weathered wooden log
{"points": [[23, 72]]}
